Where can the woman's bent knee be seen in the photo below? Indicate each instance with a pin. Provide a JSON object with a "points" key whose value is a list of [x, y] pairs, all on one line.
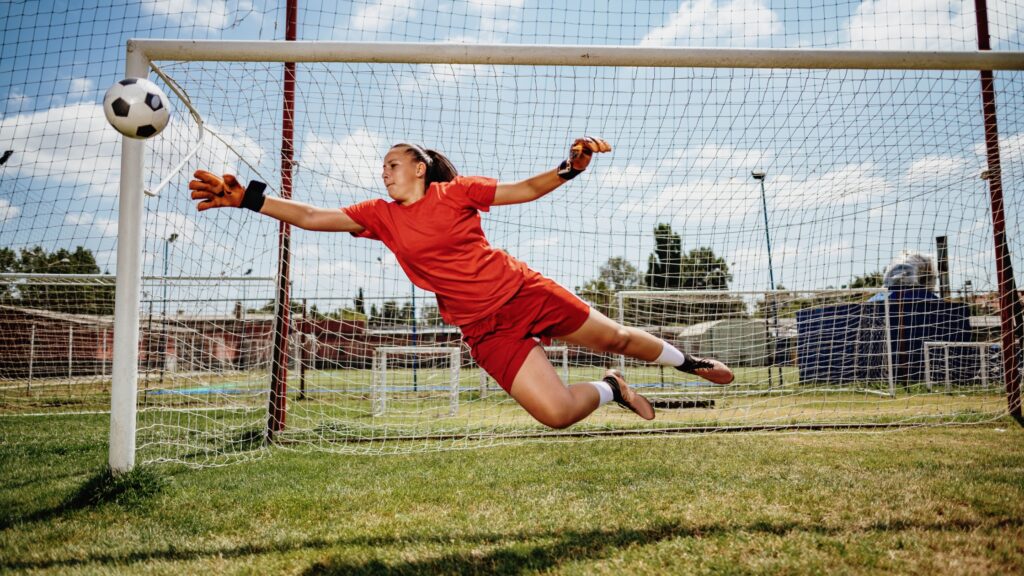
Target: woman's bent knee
{"points": [[618, 341], [554, 417]]}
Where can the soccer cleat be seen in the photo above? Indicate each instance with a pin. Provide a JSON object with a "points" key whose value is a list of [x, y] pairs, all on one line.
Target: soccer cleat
{"points": [[708, 369], [637, 403]]}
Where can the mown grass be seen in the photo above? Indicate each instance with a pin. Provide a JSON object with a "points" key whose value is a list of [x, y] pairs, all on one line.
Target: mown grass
{"points": [[237, 388], [917, 501]]}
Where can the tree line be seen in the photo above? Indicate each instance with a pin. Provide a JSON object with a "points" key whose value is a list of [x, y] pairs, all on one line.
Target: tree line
{"points": [[668, 268], [56, 295]]}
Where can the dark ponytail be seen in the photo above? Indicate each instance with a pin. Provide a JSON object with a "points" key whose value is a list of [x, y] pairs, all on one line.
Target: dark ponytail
{"points": [[439, 167]]}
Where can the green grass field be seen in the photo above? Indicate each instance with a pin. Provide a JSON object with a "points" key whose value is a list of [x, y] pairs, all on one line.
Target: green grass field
{"points": [[919, 501], [207, 419]]}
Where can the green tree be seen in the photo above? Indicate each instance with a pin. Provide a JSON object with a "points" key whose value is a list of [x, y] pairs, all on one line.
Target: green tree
{"points": [[619, 274], [360, 303], [616, 275], [664, 264], [315, 313], [64, 295], [390, 312], [668, 268], [701, 269], [8, 263], [872, 280], [431, 316]]}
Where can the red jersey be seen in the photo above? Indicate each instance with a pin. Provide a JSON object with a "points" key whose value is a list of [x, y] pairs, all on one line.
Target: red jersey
{"points": [[440, 244]]}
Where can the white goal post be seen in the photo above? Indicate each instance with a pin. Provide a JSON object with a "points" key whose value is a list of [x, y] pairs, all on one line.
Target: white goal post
{"points": [[560, 362], [952, 369], [381, 387], [142, 54]]}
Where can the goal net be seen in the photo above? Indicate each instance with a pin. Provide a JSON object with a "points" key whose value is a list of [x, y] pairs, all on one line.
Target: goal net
{"points": [[823, 342], [750, 210]]}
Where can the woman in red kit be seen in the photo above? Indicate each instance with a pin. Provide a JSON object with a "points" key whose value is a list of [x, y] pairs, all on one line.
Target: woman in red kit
{"points": [[503, 308]]}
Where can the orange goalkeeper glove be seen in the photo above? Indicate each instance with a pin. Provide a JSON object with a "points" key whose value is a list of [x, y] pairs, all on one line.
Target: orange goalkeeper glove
{"points": [[217, 192], [580, 153]]}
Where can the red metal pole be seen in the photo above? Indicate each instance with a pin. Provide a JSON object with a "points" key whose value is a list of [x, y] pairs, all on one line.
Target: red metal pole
{"points": [[279, 374], [1009, 301]]}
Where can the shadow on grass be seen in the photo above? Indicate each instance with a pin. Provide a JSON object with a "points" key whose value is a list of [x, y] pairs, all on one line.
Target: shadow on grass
{"points": [[129, 490], [509, 554], [240, 442], [518, 555]]}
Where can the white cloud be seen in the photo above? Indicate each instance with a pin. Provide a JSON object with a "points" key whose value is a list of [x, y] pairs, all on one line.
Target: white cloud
{"points": [[352, 162], [7, 211], [694, 163], [104, 227], [543, 242], [494, 24], [159, 224], [446, 80], [913, 25], [81, 89], [72, 145], [214, 14], [381, 16], [628, 177], [847, 185], [695, 201], [716, 158], [215, 155], [704, 22], [938, 170], [493, 6], [17, 100], [700, 200], [162, 224], [1011, 149], [710, 179]]}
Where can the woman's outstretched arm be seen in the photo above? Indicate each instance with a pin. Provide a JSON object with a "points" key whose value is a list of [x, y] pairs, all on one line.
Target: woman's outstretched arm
{"points": [[226, 192], [580, 153]]}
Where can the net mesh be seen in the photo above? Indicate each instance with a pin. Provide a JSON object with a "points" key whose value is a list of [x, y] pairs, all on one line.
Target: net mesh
{"points": [[861, 168]]}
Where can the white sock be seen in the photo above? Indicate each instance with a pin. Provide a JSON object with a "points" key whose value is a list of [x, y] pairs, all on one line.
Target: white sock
{"points": [[670, 355], [605, 390]]}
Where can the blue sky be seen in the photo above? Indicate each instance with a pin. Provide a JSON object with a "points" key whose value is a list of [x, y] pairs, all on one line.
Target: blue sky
{"points": [[856, 175]]}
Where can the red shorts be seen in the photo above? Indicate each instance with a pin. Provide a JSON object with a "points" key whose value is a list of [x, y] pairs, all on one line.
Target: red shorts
{"points": [[541, 310]]}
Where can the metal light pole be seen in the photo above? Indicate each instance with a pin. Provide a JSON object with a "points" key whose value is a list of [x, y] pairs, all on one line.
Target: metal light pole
{"points": [[167, 246], [773, 309], [415, 358]]}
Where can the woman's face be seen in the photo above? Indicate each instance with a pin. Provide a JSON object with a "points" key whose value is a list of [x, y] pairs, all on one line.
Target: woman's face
{"points": [[404, 176]]}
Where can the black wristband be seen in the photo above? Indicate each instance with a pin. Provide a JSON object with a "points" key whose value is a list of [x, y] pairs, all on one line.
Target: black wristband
{"points": [[567, 172], [254, 198]]}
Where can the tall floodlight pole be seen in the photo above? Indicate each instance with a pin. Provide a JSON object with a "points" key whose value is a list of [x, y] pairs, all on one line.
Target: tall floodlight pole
{"points": [[167, 250], [760, 175], [415, 358]]}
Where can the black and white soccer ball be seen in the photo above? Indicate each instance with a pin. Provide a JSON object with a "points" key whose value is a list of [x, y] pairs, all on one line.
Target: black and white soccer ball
{"points": [[137, 108]]}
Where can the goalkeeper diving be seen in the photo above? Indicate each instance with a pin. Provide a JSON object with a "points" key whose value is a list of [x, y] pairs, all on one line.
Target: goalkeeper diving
{"points": [[504, 308]]}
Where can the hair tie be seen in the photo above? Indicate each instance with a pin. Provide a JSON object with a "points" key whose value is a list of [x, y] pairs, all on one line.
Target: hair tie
{"points": [[422, 152]]}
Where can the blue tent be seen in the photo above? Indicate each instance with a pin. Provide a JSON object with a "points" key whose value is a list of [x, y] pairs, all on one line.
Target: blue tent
{"points": [[846, 342]]}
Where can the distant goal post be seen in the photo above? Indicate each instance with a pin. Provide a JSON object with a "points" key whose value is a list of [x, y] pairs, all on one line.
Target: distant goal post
{"points": [[767, 337], [389, 383]]}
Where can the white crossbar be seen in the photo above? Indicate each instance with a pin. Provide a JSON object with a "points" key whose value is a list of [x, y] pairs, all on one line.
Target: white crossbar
{"points": [[570, 55]]}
